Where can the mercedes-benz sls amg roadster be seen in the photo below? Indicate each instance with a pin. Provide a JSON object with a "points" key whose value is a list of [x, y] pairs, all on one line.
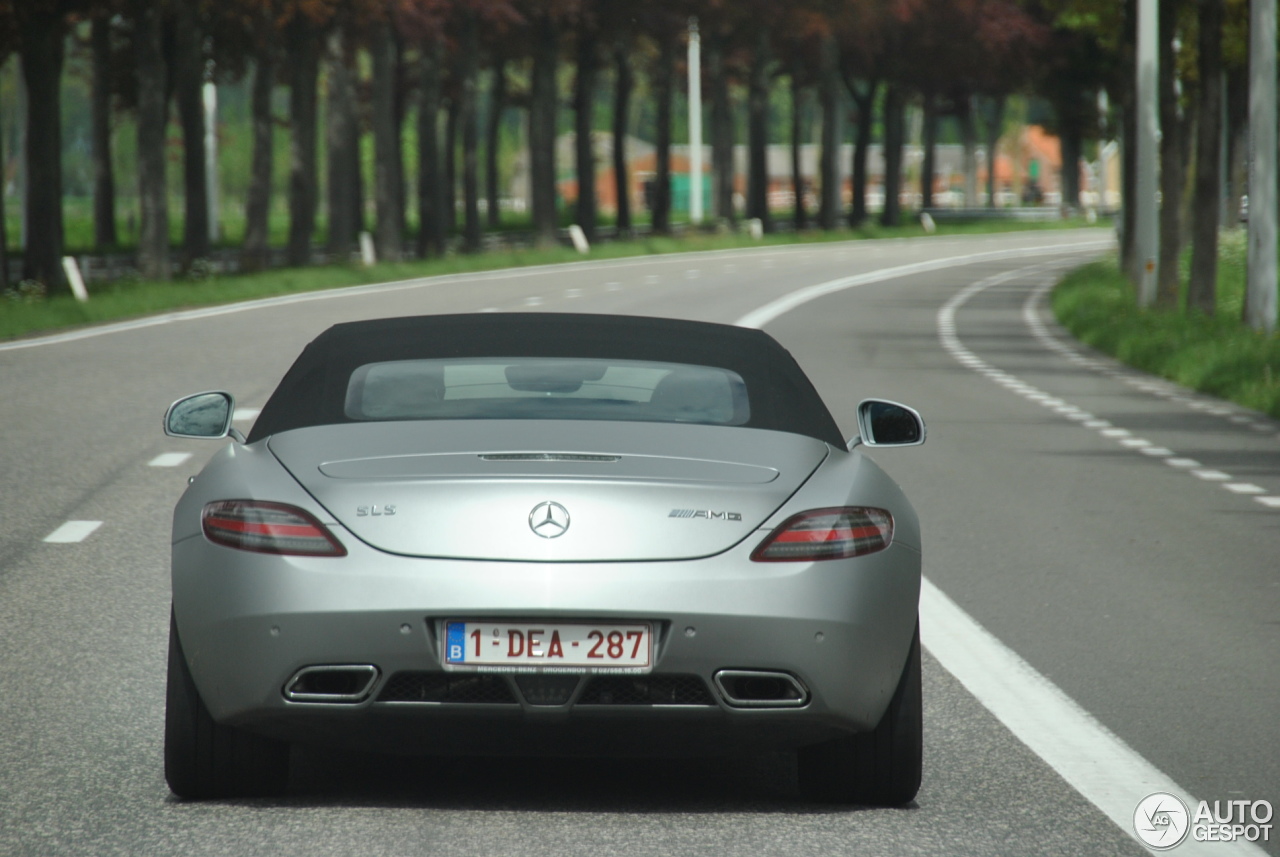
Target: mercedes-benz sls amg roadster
{"points": [[549, 534]]}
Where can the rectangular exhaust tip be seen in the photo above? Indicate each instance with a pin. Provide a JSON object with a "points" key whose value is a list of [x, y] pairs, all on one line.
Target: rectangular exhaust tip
{"points": [[761, 689], [340, 683]]}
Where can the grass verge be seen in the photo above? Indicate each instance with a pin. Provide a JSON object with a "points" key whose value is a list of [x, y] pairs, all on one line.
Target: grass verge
{"points": [[1214, 354], [24, 311]]}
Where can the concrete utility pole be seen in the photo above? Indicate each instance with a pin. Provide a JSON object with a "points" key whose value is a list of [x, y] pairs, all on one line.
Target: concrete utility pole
{"points": [[1261, 302], [210, 93], [695, 123], [1146, 239]]}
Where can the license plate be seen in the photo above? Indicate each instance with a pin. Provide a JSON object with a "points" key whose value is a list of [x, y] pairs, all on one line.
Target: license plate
{"points": [[576, 646]]}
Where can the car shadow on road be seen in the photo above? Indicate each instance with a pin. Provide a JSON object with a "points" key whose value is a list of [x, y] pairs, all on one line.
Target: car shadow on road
{"points": [[755, 784]]}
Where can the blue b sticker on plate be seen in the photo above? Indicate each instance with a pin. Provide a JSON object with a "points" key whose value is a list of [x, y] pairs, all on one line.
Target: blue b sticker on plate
{"points": [[456, 643]]}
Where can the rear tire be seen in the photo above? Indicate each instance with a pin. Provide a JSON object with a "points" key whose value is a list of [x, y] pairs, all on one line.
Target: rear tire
{"points": [[203, 759], [882, 767]]}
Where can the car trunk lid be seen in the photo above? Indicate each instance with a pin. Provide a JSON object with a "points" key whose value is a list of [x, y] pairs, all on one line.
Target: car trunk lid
{"points": [[548, 491]]}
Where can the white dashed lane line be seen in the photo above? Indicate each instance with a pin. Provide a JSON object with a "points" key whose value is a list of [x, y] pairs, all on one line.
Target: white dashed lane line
{"points": [[77, 531], [946, 324], [1155, 386], [72, 532], [169, 459]]}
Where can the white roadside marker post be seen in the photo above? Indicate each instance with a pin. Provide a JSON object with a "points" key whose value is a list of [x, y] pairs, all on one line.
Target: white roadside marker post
{"points": [[72, 271]]}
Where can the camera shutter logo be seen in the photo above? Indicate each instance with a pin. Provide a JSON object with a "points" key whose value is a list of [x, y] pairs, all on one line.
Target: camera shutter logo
{"points": [[1161, 821]]}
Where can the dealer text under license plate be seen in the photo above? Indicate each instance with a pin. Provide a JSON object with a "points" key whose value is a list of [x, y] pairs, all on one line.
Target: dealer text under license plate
{"points": [[582, 646]]}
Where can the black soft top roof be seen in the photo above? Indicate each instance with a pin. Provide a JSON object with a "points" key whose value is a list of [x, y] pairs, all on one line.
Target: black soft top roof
{"points": [[314, 389]]}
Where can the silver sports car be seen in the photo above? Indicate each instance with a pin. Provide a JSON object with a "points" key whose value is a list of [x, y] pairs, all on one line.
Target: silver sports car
{"points": [[549, 534]]}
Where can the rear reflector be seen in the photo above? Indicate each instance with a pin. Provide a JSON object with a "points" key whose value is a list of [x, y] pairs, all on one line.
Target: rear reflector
{"points": [[828, 534], [254, 525]]}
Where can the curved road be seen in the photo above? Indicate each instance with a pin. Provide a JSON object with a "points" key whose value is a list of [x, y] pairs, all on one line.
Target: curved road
{"points": [[1101, 549]]}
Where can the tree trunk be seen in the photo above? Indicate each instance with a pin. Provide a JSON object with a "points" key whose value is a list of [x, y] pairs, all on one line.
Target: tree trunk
{"points": [[253, 255], [303, 70], [929, 166], [663, 86], [497, 105], [399, 108], [430, 190], [829, 87], [1130, 265], [452, 115], [969, 145], [470, 119], [42, 70], [104, 187], [188, 74], [584, 97], [758, 133], [1202, 288], [153, 109], [800, 214], [341, 135], [864, 99], [721, 131], [623, 83], [1172, 169], [893, 133], [1072, 150], [542, 130], [4, 231], [387, 171], [994, 123], [1237, 145], [354, 153]]}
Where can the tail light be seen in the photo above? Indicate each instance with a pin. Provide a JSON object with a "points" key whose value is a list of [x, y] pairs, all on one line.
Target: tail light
{"points": [[254, 525], [828, 534]]}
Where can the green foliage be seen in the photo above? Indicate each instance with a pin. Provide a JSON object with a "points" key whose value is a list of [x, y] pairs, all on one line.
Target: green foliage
{"points": [[1213, 354]]}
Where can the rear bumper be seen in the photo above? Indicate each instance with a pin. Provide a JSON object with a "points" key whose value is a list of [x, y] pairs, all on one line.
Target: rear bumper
{"points": [[249, 622]]}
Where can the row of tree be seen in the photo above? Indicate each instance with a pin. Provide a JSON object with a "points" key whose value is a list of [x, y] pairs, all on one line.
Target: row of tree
{"points": [[383, 61]]}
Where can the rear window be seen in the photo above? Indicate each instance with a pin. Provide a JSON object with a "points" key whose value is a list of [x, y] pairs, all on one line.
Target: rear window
{"points": [[546, 388]]}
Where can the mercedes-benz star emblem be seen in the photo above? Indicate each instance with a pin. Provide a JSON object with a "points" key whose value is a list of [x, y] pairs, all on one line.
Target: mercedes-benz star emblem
{"points": [[549, 520]]}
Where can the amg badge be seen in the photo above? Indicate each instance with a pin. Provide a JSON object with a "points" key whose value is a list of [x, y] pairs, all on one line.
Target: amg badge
{"points": [[705, 513]]}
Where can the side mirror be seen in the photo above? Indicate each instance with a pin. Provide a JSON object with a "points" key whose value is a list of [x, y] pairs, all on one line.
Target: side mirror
{"points": [[204, 415], [884, 423]]}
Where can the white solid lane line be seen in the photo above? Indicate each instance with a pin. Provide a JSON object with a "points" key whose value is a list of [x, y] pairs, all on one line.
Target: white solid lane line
{"points": [[72, 531], [1097, 763], [245, 414], [169, 459], [761, 316]]}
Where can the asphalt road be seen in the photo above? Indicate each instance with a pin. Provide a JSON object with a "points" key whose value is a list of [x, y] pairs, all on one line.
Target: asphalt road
{"points": [[1111, 540]]}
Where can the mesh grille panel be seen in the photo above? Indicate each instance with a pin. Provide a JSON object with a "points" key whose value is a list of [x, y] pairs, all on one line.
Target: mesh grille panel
{"points": [[646, 690], [447, 687], [547, 689]]}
